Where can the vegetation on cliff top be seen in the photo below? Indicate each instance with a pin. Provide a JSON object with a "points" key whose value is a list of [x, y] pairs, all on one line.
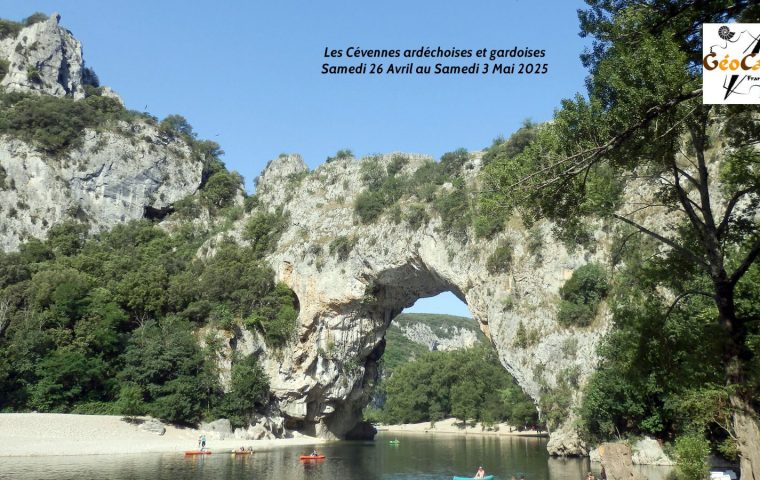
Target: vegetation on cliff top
{"points": [[9, 28], [55, 124], [438, 184]]}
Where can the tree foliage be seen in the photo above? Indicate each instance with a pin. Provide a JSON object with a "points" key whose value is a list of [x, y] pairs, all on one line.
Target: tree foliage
{"points": [[581, 295], [55, 124], [468, 384], [249, 392], [107, 324], [642, 125]]}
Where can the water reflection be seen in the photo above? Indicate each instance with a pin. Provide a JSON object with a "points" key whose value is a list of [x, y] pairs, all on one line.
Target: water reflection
{"points": [[418, 457]]}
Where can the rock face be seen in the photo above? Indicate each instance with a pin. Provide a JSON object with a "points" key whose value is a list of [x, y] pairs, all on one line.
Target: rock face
{"points": [[125, 172], [616, 460], [565, 441], [114, 177], [648, 451], [45, 58], [264, 427], [323, 378], [218, 429], [152, 426], [453, 336]]}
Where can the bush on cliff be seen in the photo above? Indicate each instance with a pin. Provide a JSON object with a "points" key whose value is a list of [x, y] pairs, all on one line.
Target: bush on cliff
{"points": [[581, 295], [55, 124], [249, 392]]}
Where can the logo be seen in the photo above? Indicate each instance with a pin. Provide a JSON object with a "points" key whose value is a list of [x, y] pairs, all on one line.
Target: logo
{"points": [[731, 63]]}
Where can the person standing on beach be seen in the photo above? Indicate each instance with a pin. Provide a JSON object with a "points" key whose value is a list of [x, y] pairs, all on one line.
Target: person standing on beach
{"points": [[199, 442], [203, 442]]}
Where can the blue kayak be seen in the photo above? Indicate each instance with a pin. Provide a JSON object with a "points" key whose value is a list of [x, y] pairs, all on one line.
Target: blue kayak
{"points": [[487, 477]]}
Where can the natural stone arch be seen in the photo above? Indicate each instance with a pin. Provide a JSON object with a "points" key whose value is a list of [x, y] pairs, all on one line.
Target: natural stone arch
{"points": [[322, 379]]}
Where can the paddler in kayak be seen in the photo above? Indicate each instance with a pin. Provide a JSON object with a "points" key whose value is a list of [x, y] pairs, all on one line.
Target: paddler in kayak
{"points": [[481, 473], [314, 453]]}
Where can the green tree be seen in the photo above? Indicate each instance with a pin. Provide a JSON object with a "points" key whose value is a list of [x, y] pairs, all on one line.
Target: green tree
{"points": [[67, 238], [467, 384], [176, 125], [581, 295], [130, 402], [220, 189], [644, 124], [465, 401], [518, 409], [691, 452], [264, 229], [249, 392], [67, 377], [276, 315], [166, 363]]}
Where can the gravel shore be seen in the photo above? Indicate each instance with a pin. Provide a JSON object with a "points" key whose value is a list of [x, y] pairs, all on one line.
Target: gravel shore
{"points": [[452, 425], [28, 434]]}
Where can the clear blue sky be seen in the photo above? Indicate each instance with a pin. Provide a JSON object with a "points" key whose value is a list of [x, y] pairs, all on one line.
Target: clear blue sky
{"points": [[445, 302], [247, 74]]}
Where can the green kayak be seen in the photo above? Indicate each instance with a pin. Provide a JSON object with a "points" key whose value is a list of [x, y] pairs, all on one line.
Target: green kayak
{"points": [[394, 442]]}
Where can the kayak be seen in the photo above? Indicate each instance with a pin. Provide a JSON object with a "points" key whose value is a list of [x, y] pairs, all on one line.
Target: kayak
{"points": [[394, 442], [487, 477], [198, 452], [312, 457]]}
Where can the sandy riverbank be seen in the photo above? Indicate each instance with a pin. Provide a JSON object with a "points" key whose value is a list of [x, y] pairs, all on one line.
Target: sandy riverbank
{"points": [[26, 434], [451, 425]]}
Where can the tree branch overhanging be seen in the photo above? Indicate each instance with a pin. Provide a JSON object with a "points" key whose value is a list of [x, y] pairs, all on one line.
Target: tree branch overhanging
{"points": [[594, 154], [684, 295], [685, 251], [723, 226], [748, 260]]}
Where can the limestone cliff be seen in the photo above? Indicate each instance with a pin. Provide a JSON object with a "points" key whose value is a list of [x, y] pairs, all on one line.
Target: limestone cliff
{"points": [[437, 332], [45, 58], [112, 178], [351, 278], [349, 295], [120, 171]]}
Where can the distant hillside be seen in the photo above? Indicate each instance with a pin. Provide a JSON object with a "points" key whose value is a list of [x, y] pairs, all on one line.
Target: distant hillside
{"points": [[411, 334]]}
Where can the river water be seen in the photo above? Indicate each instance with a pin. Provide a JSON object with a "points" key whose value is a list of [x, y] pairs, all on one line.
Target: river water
{"points": [[417, 457]]}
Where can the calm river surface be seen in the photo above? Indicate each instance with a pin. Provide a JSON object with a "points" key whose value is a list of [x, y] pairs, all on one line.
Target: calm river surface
{"points": [[418, 457]]}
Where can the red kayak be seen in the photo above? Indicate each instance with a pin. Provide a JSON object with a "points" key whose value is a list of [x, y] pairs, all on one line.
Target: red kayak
{"points": [[198, 452], [312, 457]]}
